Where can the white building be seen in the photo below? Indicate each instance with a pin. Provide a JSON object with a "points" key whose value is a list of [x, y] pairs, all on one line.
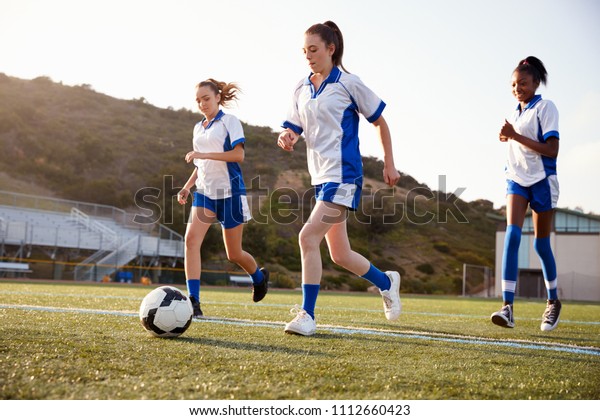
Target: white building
{"points": [[575, 240]]}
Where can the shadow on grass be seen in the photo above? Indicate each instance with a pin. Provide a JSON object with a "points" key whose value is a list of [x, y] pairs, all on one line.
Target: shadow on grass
{"points": [[236, 345]]}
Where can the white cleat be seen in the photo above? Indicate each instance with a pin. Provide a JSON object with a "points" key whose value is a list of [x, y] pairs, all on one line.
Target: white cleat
{"points": [[302, 324], [391, 298]]}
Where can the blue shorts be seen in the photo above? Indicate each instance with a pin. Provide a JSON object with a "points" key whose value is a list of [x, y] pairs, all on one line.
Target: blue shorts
{"points": [[347, 195], [231, 212], [542, 196]]}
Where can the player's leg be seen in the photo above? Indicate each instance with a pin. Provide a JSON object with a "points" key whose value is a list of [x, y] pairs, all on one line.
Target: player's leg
{"points": [[200, 220], [343, 255], [542, 223], [233, 213], [232, 238], [516, 206], [543, 204], [322, 218]]}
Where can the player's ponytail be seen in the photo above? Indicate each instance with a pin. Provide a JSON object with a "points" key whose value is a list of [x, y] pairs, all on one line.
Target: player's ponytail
{"points": [[228, 91], [534, 67], [330, 34], [339, 45]]}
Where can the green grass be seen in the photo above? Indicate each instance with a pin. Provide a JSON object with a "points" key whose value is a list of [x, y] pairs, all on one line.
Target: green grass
{"points": [[242, 353]]}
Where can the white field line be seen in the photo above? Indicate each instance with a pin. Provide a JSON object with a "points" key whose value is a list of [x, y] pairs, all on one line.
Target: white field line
{"points": [[276, 305], [412, 335]]}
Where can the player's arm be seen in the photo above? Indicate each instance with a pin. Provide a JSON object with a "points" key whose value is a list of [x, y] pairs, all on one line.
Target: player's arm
{"points": [[235, 155], [390, 174], [549, 148]]}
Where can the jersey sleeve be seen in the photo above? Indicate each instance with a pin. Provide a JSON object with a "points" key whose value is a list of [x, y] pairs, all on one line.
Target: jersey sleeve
{"points": [[292, 120], [548, 118], [368, 103], [235, 130]]}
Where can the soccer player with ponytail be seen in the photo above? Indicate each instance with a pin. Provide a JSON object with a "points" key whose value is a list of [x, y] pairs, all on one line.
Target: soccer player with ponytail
{"points": [[325, 109], [532, 137], [218, 148]]}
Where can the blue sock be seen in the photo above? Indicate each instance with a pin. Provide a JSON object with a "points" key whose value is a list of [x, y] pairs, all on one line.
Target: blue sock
{"points": [[193, 287], [543, 249], [309, 298], [257, 277], [510, 262], [378, 278]]}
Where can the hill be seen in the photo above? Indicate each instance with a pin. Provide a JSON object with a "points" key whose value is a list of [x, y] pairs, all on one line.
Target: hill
{"points": [[72, 142]]}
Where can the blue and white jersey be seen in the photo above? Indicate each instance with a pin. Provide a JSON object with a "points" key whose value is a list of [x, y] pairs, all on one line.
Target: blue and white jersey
{"points": [[328, 118], [538, 121], [217, 179]]}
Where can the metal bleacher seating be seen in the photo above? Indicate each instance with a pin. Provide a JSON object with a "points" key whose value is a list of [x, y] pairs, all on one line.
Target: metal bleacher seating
{"points": [[111, 232]]}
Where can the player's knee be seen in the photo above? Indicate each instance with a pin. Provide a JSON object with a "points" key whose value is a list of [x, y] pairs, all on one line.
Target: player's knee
{"points": [[513, 237], [192, 242], [340, 258], [307, 241], [235, 256], [542, 246]]}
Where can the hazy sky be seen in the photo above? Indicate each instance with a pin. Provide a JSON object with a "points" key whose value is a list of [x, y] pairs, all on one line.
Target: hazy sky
{"points": [[443, 68]]}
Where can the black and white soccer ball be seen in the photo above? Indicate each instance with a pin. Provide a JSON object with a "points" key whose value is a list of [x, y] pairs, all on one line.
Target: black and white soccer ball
{"points": [[166, 312]]}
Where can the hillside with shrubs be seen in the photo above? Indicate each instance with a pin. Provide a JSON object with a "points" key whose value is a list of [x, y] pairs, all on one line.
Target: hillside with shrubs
{"points": [[75, 143]]}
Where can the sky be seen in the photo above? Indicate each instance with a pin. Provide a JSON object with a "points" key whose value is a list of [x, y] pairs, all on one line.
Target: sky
{"points": [[442, 67]]}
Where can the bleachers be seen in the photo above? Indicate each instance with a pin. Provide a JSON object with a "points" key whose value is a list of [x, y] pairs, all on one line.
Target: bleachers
{"points": [[13, 268], [116, 241], [46, 228]]}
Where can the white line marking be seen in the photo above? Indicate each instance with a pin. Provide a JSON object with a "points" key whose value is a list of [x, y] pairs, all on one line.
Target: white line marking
{"points": [[282, 305], [448, 338]]}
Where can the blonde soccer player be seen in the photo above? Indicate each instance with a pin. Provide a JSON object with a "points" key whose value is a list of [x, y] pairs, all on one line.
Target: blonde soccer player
{"points": [[220, 195]]}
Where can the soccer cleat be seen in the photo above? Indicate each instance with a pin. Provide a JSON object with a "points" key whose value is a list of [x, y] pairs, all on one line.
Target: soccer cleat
{"points": [[196, 306], [551, 315], [504, 317], [259, 291], [391, 298], [302, 324]]}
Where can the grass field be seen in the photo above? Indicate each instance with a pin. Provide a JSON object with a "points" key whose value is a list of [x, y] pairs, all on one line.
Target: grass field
{"points": [[85, 341]]}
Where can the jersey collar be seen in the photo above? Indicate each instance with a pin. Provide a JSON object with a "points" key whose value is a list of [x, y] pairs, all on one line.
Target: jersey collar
{"points": [[334, 77], [217, 118], [531, 103]]}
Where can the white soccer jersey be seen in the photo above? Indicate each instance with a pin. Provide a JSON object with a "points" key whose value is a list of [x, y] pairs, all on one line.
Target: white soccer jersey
{"points": [[328, 118], [538, 121], [217, 179]]}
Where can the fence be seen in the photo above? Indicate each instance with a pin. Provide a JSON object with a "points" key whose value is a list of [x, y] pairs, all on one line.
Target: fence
{"points": [[477, 281], [62, 270]]}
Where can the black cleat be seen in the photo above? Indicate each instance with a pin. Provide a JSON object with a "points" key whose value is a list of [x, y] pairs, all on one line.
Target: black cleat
{"points": [[196, 306], [504, 317], [551, 315], [259, 291]]}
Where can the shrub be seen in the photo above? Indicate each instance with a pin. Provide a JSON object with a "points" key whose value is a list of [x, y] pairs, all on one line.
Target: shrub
{"points": [[425, 268], [441, 247], [470, 257]]}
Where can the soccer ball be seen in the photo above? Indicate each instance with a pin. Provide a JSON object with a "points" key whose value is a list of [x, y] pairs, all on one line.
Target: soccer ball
{"points": [[166, 312]]}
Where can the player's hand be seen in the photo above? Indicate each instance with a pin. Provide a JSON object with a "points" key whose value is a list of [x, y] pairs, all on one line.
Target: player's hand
{"points": [[287, 139], [192, 155], [507, 131], [182, 196], [391, 176]]}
